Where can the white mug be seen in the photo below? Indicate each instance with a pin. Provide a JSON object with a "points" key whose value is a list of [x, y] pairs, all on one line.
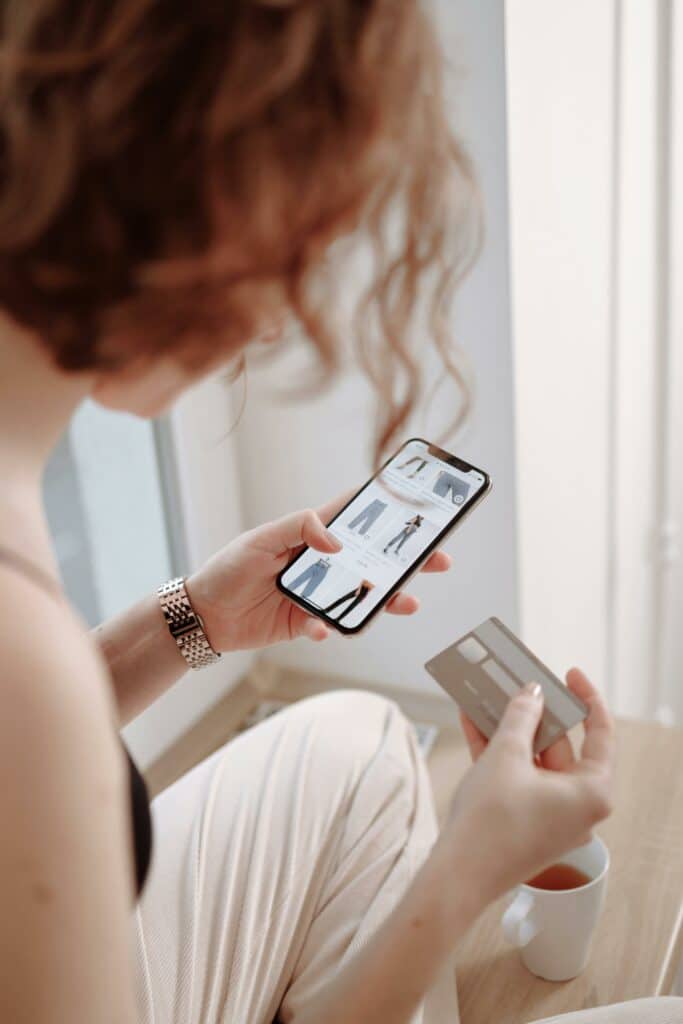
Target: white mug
{"points": [[554, 928]]}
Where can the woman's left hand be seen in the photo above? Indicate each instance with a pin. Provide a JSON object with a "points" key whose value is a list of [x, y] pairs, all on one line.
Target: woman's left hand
{"points": [[236, 595]]}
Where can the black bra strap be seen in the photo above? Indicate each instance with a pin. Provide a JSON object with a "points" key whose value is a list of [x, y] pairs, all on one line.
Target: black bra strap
{"points": [[33, 572]]}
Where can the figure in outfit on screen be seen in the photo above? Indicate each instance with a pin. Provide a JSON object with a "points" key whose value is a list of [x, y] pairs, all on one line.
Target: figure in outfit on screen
{"points": [[356, 595], [411, 527]]}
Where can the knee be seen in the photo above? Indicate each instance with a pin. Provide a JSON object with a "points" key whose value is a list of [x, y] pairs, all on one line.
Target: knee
{"points": [[353, 727], [362, 758]]}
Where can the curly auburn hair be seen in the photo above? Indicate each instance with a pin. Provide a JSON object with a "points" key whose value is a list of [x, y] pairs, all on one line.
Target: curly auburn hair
{"points": [[165, 166]]}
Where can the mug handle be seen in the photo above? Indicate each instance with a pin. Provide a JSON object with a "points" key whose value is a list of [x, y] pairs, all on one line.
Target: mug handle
{"points": [[519, 928]]}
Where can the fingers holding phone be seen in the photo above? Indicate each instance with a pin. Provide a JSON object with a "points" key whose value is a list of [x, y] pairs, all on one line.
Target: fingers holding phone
{"points": [[388, 530]]}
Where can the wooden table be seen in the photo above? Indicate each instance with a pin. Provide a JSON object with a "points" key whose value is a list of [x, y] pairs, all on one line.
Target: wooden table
{"points": [[638, 943]]}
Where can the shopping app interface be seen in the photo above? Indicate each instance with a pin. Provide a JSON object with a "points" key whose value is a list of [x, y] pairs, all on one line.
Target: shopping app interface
{"points": [[384, 530]]}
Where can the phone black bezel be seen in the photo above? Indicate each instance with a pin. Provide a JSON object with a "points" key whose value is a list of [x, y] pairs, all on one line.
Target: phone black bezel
{"points": [[437, 452]]}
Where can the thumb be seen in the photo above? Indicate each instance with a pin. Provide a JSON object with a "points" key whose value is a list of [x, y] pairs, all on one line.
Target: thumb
{"points": [[522, 716], [297, 529], [314, 629], [303, 624]]}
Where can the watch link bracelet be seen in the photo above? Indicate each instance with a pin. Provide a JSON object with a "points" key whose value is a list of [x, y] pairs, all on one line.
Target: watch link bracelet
{"points": [[185, 625]]}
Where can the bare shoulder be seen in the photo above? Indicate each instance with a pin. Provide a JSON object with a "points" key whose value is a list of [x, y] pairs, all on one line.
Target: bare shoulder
{"points": [[53, 677], [44, 638], [65, 817]]}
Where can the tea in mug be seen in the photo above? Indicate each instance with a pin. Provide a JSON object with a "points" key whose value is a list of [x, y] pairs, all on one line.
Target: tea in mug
{"points": [[559, 877]]}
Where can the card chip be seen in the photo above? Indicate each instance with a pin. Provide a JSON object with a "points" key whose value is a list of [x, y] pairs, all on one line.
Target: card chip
{"points": [[472, 650]]}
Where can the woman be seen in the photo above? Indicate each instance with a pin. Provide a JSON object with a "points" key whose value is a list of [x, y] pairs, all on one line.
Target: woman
{"points": [[410, 527], [173, 176]]}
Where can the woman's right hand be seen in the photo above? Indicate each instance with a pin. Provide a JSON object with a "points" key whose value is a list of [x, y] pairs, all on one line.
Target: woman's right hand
{"points": [[512, 816]]}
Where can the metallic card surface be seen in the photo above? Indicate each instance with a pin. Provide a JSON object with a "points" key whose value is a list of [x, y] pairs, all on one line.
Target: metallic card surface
{"points": [[487, 666]]}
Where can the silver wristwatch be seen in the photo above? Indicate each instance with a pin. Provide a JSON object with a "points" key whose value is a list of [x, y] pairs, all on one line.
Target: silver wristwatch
{"points": [[185, 625]]}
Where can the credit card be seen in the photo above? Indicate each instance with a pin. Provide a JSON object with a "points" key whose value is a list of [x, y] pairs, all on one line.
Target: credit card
{"points": [[487, 667]]}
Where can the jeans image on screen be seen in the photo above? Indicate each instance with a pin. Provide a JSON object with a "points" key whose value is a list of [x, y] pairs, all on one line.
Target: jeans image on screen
{"points": [[368, 517], [421, 463], [457, 488], [311, 577], [356, 595]]}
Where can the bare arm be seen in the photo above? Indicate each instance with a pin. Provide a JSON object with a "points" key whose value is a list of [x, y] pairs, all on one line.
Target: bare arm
{"points": [[66, 884], [236, 596], [142, 657]]}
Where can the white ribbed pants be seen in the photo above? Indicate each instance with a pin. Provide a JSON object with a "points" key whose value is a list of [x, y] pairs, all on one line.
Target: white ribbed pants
{"points": [[275, 860]]}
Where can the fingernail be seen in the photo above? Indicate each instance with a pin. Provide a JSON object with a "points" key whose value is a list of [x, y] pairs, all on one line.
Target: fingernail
{"points": [[532, 690], [334, 540]]}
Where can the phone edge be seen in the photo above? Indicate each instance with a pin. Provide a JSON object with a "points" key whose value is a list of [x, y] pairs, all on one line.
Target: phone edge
{"points": [[349, 631]]}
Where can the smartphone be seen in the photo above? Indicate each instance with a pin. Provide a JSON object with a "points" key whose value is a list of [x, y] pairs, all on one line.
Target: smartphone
{"points": [[388, 529]]}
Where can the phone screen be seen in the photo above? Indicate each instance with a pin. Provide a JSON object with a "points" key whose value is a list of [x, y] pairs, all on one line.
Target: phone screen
{"points": [[393, 522]]}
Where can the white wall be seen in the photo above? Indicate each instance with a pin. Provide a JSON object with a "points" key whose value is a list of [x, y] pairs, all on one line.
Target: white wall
{"points": [[560, 144], [596, 122], [303, 453], [669, 394]]}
